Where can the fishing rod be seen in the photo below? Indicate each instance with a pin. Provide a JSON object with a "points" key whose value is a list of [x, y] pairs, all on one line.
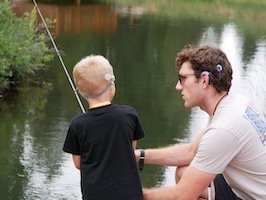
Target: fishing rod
{"points": [[60, 58]]}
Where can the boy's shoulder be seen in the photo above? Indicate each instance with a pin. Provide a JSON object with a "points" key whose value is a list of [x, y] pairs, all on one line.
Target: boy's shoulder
{"points": [[124, 107]]}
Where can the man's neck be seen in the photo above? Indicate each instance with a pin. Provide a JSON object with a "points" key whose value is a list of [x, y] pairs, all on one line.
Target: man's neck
{"points": [[219, 100], [210, 105]]}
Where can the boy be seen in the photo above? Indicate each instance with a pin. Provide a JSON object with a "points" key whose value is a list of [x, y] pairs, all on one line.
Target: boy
{"points": [[102, 140]]}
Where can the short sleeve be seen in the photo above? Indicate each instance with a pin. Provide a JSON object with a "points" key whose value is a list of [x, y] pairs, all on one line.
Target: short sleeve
{"points": [[216, 149], [71, 144], [139, 131]]}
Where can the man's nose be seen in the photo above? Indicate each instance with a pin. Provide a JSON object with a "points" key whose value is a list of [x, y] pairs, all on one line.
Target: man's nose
{"points": [[178, 86]]}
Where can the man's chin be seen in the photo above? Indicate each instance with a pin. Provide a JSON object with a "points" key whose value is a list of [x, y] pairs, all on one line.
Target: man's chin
{"points": [[187, 105]]}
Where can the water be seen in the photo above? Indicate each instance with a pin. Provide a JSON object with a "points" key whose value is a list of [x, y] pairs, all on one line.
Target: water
{"points": [[141, 43]]}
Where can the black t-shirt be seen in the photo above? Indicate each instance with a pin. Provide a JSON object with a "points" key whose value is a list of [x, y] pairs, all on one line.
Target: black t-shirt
{"points": [[103, 138]]}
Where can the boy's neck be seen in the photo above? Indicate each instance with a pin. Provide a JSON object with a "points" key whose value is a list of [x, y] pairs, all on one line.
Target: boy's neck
{"points": [[100, 104]]}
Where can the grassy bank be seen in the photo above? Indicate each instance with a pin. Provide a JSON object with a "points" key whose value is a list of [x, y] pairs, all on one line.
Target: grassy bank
{"points": [[248, 14]]}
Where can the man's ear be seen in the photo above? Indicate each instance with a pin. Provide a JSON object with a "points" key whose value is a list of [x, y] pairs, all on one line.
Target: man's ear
{"points": [[206, 78]]}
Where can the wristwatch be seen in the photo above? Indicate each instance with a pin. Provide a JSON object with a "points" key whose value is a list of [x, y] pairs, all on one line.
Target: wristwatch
{"points": [[141, 159]]}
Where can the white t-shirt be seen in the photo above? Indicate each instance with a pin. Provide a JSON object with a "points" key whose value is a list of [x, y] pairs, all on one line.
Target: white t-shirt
{"points": [[234, 144]]}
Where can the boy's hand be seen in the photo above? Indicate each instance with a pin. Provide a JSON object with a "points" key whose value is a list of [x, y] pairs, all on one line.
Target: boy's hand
{"points": [[137, 154]]}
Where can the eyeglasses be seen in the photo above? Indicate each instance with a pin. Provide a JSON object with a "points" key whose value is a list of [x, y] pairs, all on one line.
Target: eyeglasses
{"points": [[182, 77]]}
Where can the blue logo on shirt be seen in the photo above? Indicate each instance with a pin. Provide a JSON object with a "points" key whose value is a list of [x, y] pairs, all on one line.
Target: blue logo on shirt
{"points": [[258, 122]]}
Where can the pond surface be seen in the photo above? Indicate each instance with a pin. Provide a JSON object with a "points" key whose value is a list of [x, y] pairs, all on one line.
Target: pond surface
{"points": [[141, 42]]}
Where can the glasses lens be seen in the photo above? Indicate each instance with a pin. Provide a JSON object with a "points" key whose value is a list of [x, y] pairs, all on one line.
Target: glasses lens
{"points": [[183, 77], [180, 78]]}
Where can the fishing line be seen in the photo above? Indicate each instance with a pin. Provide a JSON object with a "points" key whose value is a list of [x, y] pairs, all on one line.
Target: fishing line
{"points": [[60, 58]]}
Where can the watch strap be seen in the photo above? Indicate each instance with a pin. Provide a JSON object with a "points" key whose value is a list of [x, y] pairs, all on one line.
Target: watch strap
{"points": [[141, 159]]}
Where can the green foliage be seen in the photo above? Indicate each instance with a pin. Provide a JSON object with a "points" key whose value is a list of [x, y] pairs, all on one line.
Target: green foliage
{"points": [[23, 48]]}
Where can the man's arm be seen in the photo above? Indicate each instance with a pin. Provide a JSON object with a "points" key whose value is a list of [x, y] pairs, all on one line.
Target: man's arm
{"points": [[191, 185], [76, 160], [176, 155]]}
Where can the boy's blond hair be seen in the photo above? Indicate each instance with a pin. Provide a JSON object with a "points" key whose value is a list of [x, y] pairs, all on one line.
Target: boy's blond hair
{"points": [[93, 75]]}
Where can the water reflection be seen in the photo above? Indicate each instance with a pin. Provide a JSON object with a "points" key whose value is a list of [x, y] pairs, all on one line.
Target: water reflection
{"points": [[256, 75], [77, 19], [45, 168]]}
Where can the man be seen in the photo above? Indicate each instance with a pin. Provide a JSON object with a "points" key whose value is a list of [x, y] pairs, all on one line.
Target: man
{"points": [[230, 151]]}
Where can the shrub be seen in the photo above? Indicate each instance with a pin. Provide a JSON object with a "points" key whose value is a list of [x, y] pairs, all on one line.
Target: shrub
{"points": [[23, 48]]}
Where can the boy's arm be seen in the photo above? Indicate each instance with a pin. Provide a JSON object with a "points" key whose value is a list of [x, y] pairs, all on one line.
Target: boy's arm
{"points": [[76, 160], [134, 144]]}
